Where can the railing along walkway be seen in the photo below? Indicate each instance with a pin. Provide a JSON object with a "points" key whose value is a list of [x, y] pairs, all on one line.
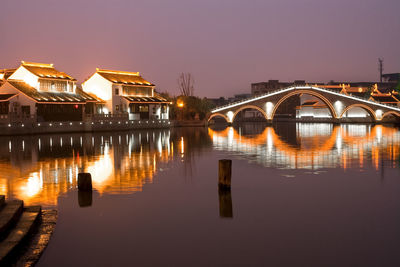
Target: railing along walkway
{"points": [[261, 96]]}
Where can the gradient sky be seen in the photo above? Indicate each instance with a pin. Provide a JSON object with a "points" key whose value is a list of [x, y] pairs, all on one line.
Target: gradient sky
{"points": [[225, 44]]}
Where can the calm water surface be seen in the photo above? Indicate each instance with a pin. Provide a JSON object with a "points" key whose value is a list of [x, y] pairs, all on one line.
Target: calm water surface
{"points": [[302, 195]]}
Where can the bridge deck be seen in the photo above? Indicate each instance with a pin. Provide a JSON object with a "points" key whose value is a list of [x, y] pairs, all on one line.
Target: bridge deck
{"points": [[323, 90]]}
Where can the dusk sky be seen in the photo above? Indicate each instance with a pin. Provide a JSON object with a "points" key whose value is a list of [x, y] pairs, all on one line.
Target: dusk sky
{"points": [[225, 44]]}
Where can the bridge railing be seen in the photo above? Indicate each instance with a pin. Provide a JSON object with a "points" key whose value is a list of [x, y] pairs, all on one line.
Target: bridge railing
{"points": [[253, 97], [282, 89]]}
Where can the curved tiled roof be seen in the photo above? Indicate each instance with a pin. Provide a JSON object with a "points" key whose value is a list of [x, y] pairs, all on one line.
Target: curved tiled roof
{"points": [[385, 98], [5, 97], [51, 97], [46, 71], [123, 77], [146, 99]]}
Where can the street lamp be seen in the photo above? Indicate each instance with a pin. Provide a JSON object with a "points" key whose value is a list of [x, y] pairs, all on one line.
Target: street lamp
{"points": [[180, 105]]}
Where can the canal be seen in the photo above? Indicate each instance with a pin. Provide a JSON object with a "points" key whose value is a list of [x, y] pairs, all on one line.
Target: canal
{"points": [[302, 195]]}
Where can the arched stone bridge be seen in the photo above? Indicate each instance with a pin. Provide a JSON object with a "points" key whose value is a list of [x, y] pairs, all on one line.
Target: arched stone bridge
{"points": [[336, 102]]}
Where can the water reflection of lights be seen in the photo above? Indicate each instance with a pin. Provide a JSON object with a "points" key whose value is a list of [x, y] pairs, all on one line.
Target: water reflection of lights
{"points": [[50, 165], [101, 169], [182, 145], [33, 185], [324, 146]]}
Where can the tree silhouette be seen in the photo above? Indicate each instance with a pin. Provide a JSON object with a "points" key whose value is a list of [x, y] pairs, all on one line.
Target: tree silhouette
{"points": [[185, 83]]}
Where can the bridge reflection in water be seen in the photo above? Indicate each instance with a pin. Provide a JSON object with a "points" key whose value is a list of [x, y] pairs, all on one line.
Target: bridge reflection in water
{"points": [[312, 146], [39, 169]]}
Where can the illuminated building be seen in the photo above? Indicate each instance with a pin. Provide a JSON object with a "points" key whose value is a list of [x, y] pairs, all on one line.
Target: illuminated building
{"points": [[312, 109], [390, 97], [127, 93], [37, 91], [4, 74]]}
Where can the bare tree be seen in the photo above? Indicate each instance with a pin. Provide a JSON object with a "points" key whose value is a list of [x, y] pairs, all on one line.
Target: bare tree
{"points": [[185, 83]]}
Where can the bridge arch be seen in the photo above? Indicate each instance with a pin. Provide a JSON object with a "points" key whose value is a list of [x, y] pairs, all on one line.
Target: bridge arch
{"points": [[397, 114], [250, 107], [365, 107], [218, 115], [308, 92]]}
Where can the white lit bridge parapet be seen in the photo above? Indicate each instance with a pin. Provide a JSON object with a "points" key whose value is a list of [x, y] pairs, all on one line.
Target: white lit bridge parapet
{"points": [[339, 106]]}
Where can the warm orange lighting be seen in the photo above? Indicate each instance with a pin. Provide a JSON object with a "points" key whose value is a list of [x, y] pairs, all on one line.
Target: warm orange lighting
{"points": [[180, 104], [43, 182], [118, 72], [316, 150]]}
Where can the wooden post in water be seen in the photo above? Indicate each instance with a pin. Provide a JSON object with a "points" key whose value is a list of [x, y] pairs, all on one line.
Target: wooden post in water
{"points": [[85, 198], [225, 203], [84, 181], [224, 173]]}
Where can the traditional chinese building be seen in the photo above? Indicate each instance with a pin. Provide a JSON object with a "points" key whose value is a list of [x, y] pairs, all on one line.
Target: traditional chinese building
{"points": [[127, 93], [40, 92], [387, 97]]}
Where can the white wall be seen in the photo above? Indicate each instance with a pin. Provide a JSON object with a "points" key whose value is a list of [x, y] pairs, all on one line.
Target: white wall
{"points": [[19, 100], [165, 116], [356, 112], [100, 87], [156, 112], [117, 99], [23, 74], [309, 111]]}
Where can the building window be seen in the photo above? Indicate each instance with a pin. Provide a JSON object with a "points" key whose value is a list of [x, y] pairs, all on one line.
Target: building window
{"points": [[163, 108], [26, 110], [143, 108], [116, 91], [4, 107], [117, 107]]}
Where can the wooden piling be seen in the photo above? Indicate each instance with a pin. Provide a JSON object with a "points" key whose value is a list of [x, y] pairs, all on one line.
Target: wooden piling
{"points": [[84, 181], [225, 203], [85, 198], [224, 173]]}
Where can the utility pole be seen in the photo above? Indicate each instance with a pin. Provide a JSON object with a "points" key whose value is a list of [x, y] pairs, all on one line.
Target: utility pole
{"points": [[380, 62]]}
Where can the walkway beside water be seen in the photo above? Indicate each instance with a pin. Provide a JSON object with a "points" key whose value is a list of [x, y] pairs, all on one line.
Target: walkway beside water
{"points": [[21, 128]]}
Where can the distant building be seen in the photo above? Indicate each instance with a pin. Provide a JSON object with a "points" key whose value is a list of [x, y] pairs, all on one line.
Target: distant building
{"points": [[288, 108], [221, 101], [383, 86], [391, 77], [127, 93], [391, 98], [238, 97], [272, 85], [39, 91], [312, 109]]}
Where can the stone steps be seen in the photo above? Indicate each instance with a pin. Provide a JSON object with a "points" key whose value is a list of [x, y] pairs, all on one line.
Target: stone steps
{"points": [[17, 223], [9, 215]]}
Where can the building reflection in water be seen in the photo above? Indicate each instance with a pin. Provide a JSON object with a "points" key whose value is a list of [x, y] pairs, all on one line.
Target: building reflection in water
{"points": [[38, 169], [312, 146]]}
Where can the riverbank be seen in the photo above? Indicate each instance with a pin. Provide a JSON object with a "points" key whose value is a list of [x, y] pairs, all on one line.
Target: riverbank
{"points": [[22, 128]]}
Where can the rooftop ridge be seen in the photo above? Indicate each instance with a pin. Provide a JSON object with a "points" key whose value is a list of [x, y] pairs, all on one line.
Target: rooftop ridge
{"points": [[118, 72], [35, 64]]}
